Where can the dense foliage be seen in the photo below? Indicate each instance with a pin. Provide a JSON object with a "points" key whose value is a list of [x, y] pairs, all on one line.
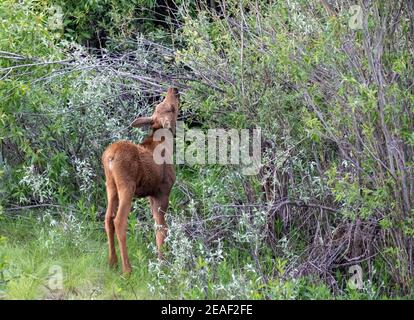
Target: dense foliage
{"points": [[329, 84]]}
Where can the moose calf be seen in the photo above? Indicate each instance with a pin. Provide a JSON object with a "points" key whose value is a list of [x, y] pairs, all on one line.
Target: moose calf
{"points": [[130, 171]]}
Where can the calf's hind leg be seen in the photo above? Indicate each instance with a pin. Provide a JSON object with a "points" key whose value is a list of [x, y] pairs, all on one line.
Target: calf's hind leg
{"points": [[125, 195], [109, 220]]}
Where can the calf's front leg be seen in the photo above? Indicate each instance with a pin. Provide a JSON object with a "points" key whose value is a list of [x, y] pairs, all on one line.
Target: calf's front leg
{"points": [[159, 206]]}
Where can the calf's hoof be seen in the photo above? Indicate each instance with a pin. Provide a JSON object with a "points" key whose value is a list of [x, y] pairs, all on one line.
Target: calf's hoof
{"points": [[112, 262], [127, 270]]}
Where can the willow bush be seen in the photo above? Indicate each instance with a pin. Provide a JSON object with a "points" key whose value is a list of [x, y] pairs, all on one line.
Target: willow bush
{"points": [[332, 96], [336, 112]]}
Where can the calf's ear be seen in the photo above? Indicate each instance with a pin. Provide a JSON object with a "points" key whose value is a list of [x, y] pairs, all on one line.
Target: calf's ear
{"points": [[142, 121]]}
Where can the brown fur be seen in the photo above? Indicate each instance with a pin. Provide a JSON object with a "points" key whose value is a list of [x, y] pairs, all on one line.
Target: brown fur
{"points": [[130, 171]]}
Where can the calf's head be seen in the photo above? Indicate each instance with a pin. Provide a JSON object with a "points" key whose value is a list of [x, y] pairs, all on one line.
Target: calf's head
{"points": [[165, 113]]}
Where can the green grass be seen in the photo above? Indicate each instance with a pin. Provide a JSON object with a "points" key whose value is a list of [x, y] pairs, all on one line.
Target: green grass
{"points": [[29, 250], [33, 249]]}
